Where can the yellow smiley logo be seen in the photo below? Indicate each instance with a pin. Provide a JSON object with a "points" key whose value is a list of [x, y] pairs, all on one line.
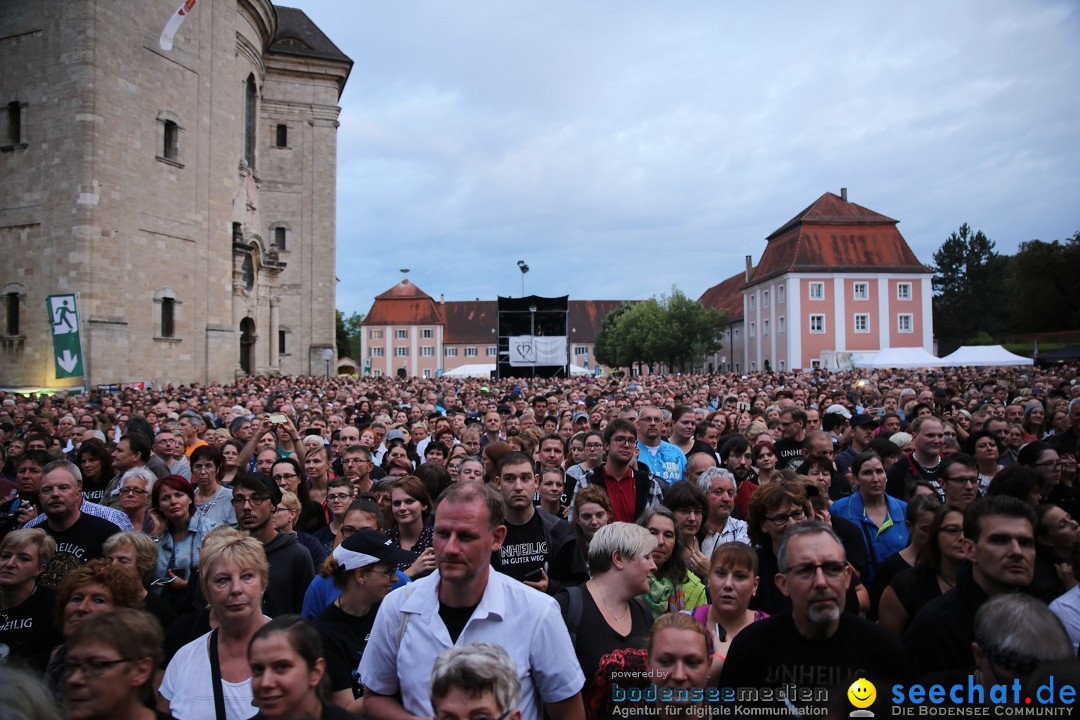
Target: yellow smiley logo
{"points": [[862, 693]]}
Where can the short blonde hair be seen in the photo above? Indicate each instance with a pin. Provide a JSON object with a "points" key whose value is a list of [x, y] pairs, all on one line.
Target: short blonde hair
{"points": [[629, 540], [146, 552], [18, 539], [241, 548], [290, 502]]}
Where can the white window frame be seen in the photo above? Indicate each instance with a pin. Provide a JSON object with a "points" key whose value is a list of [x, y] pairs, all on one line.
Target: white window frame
{"points": [[401, 334], [427, 333], [581, 350], [375, 334], [779, 294], [491, 352], [450, 352], [753, 301], [375, 352], [780, 325], [815, 364], [865, 317], [427, 373], [864, 287], [817, 291], [764, 298], [402, 351], [427, 351], [817, 316], [782, 365], [903, 291], [753, 329], [470, 352], [764, 328], [900, 322], [376, 372]]}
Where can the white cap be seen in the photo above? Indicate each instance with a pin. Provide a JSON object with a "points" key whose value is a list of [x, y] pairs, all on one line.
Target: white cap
{"points": [[839, 410]]}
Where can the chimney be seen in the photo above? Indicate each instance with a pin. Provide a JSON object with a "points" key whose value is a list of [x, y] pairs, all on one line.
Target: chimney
{"points": [[843, 194], [442, 298], [749, 267]]}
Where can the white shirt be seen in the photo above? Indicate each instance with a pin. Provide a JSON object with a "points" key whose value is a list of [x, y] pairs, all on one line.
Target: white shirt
{"points": [[189, 687], [524, 621], [1067, 608], [734, 531]]}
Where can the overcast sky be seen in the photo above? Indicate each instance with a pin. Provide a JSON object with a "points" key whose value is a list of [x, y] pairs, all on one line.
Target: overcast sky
{"points": [[623, 147]]}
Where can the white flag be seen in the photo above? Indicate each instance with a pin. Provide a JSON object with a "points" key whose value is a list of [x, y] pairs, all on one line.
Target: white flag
{"points": [[173, 26]]}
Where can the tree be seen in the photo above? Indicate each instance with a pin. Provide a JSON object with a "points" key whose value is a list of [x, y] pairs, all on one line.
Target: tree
{"points": [[1045, 294], [970, 282], [675, 331], [349, 334]]}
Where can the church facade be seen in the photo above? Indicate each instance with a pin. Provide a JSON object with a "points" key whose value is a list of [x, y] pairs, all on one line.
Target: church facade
{"points": [[187, 196]]}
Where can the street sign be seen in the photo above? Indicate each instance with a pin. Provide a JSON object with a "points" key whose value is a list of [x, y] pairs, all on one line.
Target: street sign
{"points": [[67, 346]]}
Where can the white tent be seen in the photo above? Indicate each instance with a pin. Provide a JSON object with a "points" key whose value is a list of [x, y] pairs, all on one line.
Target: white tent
{"points": [[908, 357], [578, 370], [471, 370], [984, 356]]}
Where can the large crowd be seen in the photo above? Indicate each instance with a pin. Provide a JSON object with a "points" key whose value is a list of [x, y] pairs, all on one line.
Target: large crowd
{"points": [[286, 547]]}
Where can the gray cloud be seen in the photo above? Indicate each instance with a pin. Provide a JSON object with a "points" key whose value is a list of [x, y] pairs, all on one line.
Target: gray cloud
{"points": [[621, 147]]}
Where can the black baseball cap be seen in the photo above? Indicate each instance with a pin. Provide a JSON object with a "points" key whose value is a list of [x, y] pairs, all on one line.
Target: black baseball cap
{"points": [[367, 547]]}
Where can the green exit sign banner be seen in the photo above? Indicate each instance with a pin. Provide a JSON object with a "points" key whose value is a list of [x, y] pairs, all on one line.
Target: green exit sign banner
{"points": [[67, 344]]}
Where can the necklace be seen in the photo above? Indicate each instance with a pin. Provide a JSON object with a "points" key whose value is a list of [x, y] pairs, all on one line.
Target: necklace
{"points": [[951, 585], [603, 599]]}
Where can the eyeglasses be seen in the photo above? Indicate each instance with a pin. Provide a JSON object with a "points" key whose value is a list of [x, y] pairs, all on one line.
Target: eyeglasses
{"points": [[284, 476], [951, 530], [132, 491], [204, 467], [338, 497], [806, 571], [624, 441], [594, 446], [784, 519], [238, 502], [389, 572], [1049, 464], [962, 480], [90, 668]]}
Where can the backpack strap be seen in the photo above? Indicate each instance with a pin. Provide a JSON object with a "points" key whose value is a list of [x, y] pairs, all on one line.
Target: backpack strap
{"points": [[573, 611]]}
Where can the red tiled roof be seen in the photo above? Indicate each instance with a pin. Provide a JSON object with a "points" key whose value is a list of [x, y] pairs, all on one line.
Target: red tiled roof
{"points": [[586, 317], [403, 304], [726, 296], [470, 321], [833, 235]]}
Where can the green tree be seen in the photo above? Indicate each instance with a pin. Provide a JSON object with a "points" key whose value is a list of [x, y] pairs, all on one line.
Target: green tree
{"points": [[1045, 295], [970, 281], [675, 331], [348, 334]]}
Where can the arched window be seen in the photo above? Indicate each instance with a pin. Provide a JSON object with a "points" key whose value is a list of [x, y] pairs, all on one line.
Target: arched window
{"points": [[250, 96], [167, 314]]}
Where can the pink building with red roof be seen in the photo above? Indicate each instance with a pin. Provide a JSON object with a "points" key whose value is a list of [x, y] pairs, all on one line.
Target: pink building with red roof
{"points": [[836, 279]]}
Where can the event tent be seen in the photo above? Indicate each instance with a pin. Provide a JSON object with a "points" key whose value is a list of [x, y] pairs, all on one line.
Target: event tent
{"points": [[984, 356], [471, 370], [907, 357]]}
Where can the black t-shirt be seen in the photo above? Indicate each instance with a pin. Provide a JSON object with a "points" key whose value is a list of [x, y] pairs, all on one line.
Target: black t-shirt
{"points": [[344, 638], [76, 546], [772, 653], [595, 638], [789, 453], [27, 633], [455, 619], [94, 493], [524, 552]]}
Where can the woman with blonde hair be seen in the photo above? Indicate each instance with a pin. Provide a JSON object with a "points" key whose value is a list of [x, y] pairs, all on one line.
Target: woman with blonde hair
{"points": [[212, 671]]}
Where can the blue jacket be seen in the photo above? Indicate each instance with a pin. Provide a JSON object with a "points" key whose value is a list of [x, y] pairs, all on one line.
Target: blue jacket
{"points": [[890, 538]]}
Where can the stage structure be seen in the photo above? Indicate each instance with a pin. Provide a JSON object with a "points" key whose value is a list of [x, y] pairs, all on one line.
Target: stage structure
{"points": [[533, 337]]}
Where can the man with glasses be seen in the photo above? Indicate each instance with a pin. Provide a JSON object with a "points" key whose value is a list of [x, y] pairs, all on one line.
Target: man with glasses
{"points": [[959, 478], [815, 638], [357, 466], [339, 495], [254, 498], [631, 491], [665, 461]]}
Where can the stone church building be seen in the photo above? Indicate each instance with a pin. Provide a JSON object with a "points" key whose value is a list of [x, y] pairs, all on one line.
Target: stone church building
{"points": [[187, 195]]}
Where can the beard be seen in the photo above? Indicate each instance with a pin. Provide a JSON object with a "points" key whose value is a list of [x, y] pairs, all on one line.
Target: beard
{"points": [[824, 614]]}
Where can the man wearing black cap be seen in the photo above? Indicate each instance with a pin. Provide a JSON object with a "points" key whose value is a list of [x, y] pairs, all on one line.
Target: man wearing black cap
{"points": [[862, 432], [255, 497], [365, 573]]}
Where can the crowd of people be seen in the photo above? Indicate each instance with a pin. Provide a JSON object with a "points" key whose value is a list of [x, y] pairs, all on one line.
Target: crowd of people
{"points": [[288, 547]]}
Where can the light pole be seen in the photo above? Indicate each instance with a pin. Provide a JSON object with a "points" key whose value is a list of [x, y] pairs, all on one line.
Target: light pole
{"points": [[524, 269], [532, 331], [328, 355]]}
